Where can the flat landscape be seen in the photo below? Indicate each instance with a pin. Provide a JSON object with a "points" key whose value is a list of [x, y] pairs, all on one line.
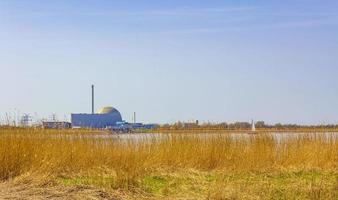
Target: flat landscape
{"points": [[168, 100], [84, 164]]}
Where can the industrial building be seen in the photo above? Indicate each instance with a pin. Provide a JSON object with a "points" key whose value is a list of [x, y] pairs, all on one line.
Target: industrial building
{"points": [[106, 117], [126, 127], [56, 125]]}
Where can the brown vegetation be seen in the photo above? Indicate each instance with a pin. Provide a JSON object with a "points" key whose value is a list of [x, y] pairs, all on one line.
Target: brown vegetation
{"points": [[155, 166]]}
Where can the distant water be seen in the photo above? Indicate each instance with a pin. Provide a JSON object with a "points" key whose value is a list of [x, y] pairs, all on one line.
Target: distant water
{"points": [[279, 137]]}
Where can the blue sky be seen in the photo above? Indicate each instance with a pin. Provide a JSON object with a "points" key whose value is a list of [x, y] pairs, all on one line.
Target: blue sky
{"points": [[172, 60]]}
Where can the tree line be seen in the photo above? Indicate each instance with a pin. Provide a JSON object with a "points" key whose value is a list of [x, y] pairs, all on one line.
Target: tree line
{"points": [[244, 125]]}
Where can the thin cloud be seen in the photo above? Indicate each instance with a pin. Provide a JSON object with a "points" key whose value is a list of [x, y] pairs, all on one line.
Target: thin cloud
{"points": [[155, 12], [257, 27], [201, 11], [175, 12], [302, 24], [295, 13]]}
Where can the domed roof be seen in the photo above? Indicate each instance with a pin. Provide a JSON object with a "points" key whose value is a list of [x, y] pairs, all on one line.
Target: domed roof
{"points": [[108, 110]]}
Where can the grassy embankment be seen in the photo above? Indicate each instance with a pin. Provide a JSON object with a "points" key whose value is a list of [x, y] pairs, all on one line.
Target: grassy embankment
{"points": [[176, 166]]}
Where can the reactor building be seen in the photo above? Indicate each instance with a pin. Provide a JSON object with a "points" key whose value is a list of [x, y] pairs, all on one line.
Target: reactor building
{"points": [[106, 117]]}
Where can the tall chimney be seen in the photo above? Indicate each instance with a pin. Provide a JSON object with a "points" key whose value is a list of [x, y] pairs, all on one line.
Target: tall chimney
{"points": [[92, 99]]}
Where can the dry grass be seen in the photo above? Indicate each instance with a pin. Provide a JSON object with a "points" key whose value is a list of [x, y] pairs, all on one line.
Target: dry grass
{"points": [[173, 165]]}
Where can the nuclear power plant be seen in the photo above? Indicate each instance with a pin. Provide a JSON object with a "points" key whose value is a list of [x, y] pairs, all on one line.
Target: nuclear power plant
{"points": [[106, 118]]}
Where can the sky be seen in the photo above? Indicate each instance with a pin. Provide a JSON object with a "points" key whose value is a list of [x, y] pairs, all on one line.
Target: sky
{"points": [[212, 61]]}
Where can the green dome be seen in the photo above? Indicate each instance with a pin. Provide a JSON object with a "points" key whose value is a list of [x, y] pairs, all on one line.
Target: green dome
{"points": [[107, 110]]}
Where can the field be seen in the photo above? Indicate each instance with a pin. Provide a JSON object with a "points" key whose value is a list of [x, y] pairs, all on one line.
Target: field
{"points": [[83, 164]]}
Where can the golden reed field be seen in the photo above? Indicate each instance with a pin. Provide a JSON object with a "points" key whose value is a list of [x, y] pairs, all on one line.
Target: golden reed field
{"points": [[84, 164]]}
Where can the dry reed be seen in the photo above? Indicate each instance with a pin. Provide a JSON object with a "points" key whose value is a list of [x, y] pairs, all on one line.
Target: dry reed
{"points": [[78, 153]]}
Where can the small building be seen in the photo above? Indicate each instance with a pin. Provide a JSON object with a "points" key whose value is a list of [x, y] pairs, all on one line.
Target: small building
{"points": [[150, 126], [126, 127], [106, 117], [56, 125]]}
